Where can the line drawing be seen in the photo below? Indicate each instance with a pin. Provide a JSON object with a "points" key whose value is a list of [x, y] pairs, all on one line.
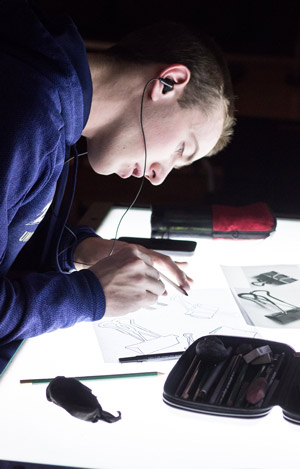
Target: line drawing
{"points": [[149, 341], [195, 310], [175, 325], [189, 338], [225, 330]]}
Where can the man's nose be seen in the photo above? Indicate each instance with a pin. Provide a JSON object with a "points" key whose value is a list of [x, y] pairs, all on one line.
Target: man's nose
{"points": [[157, 173]]}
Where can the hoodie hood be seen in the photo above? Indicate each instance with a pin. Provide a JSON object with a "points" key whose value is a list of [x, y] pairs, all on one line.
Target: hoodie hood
{"points": [[57, 49]]}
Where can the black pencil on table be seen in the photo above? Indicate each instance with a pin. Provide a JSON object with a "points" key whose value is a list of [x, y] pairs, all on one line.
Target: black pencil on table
{"points": [[152, 357]]}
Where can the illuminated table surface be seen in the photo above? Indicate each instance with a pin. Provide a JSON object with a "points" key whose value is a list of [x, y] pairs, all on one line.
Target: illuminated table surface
{"points": [[150, 434]]}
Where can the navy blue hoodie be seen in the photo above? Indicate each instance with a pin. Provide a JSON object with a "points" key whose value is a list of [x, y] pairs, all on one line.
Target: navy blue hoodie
{"points": [[45, 96]]}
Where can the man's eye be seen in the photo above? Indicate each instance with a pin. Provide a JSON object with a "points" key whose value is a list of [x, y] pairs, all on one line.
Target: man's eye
{"points": [[181, 149]]}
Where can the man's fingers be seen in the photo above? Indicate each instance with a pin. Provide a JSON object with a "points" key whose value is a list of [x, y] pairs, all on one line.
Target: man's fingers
{"points": [[156, 286], [141, 253], [178, 275], [166, 264], [129, 281], [182, 265]]}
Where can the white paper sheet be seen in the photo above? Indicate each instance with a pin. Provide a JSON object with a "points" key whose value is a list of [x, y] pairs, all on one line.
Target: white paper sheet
{"points": [[267, 295], [171, 325]]}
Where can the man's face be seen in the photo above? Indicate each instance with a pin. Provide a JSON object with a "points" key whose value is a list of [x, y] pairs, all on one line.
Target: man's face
{"points": [[175, 137]]}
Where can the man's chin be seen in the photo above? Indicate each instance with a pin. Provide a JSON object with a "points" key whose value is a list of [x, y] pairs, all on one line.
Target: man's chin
{"points": [[96, 166], [124, 176]]}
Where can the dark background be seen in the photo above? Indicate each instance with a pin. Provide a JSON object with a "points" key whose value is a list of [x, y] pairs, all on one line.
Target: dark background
{"points": [[247, 26], [261, 41]]}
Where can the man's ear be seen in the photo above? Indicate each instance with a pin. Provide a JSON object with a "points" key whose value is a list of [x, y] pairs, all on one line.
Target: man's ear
{"points": [[179, 74]]}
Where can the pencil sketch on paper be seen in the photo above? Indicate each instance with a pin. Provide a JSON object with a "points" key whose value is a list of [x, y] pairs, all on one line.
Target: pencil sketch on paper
{"points": [[148, 341], [224, 330], [195, 310], [153, 342], [171, 325]]}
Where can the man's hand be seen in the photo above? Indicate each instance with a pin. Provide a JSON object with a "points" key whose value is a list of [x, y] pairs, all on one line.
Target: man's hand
{"points": [[172, 269], [91, 250], [129, 280]]}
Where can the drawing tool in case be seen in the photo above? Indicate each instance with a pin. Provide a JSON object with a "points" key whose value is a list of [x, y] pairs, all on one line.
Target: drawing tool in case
{"points": [[236, 377]]}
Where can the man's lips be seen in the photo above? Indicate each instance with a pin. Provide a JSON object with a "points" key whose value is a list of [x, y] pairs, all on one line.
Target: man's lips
{"points": [[137, 172]]}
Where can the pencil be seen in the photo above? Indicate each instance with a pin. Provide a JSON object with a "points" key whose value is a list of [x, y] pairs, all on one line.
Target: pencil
{"points": [[86, 378], [182, 290], [151, 357]]}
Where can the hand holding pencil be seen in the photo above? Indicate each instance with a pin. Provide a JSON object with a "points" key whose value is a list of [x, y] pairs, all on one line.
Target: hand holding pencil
{"points": [[177, 287]]}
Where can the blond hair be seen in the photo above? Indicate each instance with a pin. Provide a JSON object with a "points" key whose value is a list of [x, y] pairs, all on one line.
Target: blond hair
{"points": [[210, 83]]}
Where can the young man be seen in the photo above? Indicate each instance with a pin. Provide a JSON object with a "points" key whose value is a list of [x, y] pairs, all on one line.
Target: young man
{"points": [[51, 94]]}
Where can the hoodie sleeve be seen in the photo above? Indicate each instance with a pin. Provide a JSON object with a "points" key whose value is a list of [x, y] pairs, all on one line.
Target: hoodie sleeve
{"points": [[38, 303], [42, 113], [73, 236]]}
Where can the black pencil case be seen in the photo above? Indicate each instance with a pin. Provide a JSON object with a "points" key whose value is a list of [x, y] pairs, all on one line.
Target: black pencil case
{"points": [[248, 376], [251, 221]]}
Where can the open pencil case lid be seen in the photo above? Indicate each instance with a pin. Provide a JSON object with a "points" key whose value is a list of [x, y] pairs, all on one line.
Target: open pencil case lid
{"points": [[236, 377]]}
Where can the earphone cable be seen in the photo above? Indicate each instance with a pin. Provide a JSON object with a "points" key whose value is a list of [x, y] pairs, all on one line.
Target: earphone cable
{"points": [[143, 177], [72, 157], [145, 164]]}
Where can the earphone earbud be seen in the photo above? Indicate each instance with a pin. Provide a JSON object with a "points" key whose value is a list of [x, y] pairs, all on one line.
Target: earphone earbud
{"points": [[168, 84]]}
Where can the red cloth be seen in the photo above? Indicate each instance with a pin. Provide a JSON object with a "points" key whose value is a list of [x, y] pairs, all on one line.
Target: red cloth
{"points": [[253, 217]]}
